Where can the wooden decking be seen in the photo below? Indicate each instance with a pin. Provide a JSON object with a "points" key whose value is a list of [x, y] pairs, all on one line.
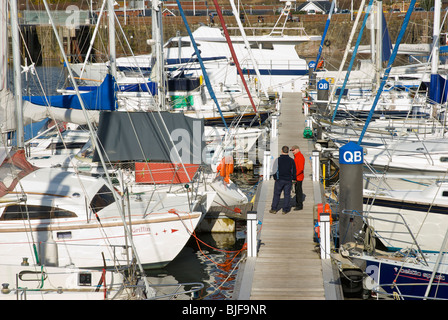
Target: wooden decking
{"points": [[288, 266]]}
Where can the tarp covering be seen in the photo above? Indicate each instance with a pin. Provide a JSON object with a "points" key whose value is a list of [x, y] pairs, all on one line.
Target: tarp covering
{"points": [[101, 98], [141, 136], [164, 173]]}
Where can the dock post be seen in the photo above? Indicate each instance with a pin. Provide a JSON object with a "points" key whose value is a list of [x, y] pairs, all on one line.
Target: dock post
{"points": [[350, 191], [324, 226], [274, 127], [267, 165], [252, 233], [315, 162]]}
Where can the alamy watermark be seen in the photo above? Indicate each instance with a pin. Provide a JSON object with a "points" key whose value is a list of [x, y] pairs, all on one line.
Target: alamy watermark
{"points": [[73, 19], [197, 147]]}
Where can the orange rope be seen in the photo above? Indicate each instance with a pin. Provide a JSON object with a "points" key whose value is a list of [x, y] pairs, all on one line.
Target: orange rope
{"points": [[193, 233]]}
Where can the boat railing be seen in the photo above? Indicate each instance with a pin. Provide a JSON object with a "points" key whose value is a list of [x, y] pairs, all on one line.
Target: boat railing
{"points": [[398, 295], [160, 292], [368, 217], [258, 31]]}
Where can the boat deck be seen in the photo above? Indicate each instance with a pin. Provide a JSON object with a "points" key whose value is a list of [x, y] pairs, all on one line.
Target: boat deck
{"points": [[288, 264]]}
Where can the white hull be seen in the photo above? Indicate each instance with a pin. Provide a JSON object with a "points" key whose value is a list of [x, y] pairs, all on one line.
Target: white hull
{"points": [[161, 223], [54, 283]]}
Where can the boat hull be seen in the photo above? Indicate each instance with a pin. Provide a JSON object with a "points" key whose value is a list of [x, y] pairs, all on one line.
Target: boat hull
{"points": [[405, 280], [157, 240]]}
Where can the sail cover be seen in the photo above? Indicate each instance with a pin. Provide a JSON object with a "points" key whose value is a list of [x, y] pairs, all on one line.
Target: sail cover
{"points": [[387, 43], [151, 136], [101, 98]]}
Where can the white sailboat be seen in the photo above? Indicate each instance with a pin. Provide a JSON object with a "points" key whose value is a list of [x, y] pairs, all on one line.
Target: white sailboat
{"points": [[83, 217]]}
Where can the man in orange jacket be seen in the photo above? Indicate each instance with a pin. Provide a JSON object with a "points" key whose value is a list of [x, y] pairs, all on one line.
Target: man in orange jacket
{"points": [[299, 160]]}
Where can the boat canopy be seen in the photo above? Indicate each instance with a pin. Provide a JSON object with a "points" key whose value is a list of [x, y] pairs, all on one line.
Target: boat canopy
{"points": [[151, 136]]}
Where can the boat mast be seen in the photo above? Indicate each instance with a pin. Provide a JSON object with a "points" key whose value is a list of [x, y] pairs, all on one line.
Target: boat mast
{"points": [[3, 44], [232, 51], [347, 49], [352, 61], [327, 24], [389, 66], [379, 42], [95, 142], [243, 34], [201, 62], [436, 37], [112, 50], [158, 70], [95, 31], [17, 76]]}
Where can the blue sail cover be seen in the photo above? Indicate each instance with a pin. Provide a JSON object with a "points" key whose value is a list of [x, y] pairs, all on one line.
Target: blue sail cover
{"points": [[438, 89], [387, 43], [101, 98]]}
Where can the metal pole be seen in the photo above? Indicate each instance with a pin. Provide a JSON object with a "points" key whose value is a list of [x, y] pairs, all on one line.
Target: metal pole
{"points": [[251, 234], [315, 165], [324, 226], [17, 76], [266, 165], [111, 26]]}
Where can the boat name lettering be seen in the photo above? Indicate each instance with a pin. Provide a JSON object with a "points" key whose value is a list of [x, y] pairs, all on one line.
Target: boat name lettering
{"points": [[141, 229], [437, 276], [411, 272]]}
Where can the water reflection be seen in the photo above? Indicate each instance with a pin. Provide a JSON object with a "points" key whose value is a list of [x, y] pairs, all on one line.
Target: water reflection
{"points": [[214, 263]]}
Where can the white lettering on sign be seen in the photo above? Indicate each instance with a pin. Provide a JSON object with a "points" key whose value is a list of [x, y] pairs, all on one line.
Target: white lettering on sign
{"points": [[355, 156], [322, 85]]}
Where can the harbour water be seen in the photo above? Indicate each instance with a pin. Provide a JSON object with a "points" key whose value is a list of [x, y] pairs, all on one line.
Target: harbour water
{"points": [[212, 259]]}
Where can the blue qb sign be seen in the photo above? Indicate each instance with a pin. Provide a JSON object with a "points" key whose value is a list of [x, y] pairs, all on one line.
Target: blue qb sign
{"points": [[351, 153], [312, 64], [323, 85]]}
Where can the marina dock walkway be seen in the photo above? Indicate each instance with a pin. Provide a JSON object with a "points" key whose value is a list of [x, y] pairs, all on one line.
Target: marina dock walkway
{"points": [[288, 265]]}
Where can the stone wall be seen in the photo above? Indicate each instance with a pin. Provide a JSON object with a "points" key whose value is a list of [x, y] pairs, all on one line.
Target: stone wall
{"points": [[138, 30]]}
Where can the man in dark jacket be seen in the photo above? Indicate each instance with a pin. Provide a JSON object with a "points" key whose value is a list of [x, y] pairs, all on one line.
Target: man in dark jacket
{"points": [[284, 170]]}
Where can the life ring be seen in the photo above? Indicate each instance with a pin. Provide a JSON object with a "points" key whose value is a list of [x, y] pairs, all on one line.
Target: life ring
{"points": [[327, 43]]}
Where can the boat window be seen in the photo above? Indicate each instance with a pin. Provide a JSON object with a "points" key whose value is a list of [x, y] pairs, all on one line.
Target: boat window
{"points": [[102, 199], [443, 159], [263, 45], [445, 194], [68, 145], [23, 211], [175, 44]]}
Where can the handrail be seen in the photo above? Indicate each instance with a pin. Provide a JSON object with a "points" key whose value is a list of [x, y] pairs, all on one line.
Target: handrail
{"points": [[364, 217], [195, 286]]}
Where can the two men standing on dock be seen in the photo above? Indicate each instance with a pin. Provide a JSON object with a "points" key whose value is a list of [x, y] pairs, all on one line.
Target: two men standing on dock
{"points": [[286, 170]]}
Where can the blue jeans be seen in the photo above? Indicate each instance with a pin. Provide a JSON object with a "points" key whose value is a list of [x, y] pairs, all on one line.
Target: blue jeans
{"points": [[279, 186]]}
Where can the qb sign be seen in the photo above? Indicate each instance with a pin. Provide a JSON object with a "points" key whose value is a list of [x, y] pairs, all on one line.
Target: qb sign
{"points": [[323, 85], [351, 153]]}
